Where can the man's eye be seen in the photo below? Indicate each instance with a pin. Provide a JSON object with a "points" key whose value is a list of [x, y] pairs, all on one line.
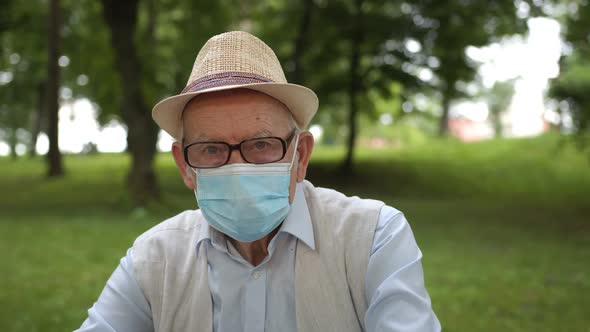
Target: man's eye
{"points": [[210, 149], [261, 145]]}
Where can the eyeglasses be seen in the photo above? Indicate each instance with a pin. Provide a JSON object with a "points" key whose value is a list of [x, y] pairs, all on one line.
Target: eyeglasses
{"points": [[254, 150]]}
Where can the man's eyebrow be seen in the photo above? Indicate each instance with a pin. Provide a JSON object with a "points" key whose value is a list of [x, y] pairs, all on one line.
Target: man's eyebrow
{"points": [[262, 133], [200, 137], [195, 139], [204, 138]]}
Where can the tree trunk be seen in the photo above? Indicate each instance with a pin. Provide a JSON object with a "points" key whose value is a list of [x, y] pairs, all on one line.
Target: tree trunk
{"points": [[301, 42], [354, 88], [496, 116], [37, 119], [12, 142], [142, 133], [152, 12], [54, 159], [443, 127]]}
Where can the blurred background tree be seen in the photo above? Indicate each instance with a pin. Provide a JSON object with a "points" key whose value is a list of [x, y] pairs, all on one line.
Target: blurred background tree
{"points": [[572, 87], [361, 51], [368, 60], [25, 63], [498, 99], [452, 26], [142, 57], [54, 26], [121, 18]]}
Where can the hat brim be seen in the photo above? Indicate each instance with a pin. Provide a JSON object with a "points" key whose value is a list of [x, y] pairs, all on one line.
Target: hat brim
{"points": [[302, 102]]}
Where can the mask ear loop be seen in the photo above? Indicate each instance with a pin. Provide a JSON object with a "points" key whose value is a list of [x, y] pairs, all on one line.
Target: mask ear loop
{"points": [[295, 152]]}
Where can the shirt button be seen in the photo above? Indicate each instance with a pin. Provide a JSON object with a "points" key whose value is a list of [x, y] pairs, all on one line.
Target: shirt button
{"points": [[256, 275]]}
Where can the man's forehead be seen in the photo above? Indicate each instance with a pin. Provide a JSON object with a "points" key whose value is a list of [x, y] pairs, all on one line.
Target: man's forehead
{"points": [[234, 115], [231, 134]]}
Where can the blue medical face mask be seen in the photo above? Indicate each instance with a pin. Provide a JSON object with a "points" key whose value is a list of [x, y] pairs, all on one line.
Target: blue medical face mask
{"points": [[245, 201]]}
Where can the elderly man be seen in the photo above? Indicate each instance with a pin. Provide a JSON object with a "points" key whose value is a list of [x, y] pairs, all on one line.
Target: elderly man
{"points": [[266, 251]]}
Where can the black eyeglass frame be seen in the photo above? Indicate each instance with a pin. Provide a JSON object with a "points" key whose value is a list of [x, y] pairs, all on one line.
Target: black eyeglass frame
{"points": [[285, 142]]}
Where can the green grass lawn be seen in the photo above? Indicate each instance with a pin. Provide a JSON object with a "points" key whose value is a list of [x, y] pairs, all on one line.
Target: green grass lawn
{"points": [[504, 227]]}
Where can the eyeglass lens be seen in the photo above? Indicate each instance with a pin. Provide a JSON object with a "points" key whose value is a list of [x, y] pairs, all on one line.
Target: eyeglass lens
{"points": [[256, 151]]}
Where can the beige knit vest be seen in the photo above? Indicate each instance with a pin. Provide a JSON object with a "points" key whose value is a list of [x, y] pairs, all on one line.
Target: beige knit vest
{"points": [[329, 281]]}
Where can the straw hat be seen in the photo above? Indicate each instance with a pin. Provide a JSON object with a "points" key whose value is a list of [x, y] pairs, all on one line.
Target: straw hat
{"points": [[236, 60]]}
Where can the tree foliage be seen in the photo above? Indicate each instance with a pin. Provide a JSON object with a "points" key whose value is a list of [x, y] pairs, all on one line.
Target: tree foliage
{"points": [[455, 25], [498, 99], [23, 64], [361, 51], [573, 83], [354, 53], [166, 36]]}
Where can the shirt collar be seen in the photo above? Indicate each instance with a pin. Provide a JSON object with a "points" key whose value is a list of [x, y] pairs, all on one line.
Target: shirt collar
{"points": [[298, 223]]}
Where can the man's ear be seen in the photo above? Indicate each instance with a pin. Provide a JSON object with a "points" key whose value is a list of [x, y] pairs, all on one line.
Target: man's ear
{"points": [[304, 150], [187, 174]]}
